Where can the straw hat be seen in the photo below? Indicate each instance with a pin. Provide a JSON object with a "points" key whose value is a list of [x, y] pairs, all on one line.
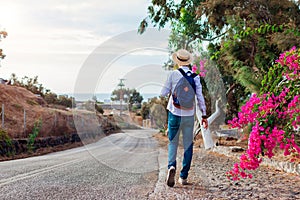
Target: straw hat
{"points": [[182, 57]]}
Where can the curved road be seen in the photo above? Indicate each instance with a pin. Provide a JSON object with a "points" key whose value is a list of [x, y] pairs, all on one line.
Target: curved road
{"points": [[119, 166]]}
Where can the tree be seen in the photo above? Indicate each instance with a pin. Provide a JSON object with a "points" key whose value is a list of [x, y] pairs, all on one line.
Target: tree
{"points": [[30, 84], [14, 79], [244, 36], [130, 96], [3, 34], [35, 87], [265, 32], [50, 97], [99, 108], [115, 95], [155, 109], [184, 15], [145, 110], [259, 31], [66, 101], [135, 99]]}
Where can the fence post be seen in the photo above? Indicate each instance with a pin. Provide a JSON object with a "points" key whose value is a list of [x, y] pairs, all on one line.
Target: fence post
{"points": [[55, 119], [2, 111], [24, 122]]}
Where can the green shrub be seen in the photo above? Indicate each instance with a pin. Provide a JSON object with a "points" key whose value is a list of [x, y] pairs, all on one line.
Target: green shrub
{"points": [[99, 108], [5, 137], [18, 106], [32, 102], [33, 135]]}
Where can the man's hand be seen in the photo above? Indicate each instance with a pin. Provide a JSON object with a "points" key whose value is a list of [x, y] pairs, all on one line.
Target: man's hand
{"points": [[204, 122]]}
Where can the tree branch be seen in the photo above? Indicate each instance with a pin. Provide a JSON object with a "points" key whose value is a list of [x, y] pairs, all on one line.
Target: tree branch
{"points": [[209, 39], [204, 39], [230, 89]]}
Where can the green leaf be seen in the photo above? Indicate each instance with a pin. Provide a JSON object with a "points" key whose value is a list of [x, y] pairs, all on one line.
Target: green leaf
{"points": [[264, 30], [273, 28], [281, 27], [242, 33], [268, 27]]}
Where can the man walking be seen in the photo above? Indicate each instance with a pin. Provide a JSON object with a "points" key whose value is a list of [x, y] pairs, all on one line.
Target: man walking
{"points": [[183, 85]]}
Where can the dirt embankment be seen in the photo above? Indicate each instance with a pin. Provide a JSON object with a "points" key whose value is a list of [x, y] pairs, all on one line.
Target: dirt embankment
{"points": [[59, 127], [22, 109]]}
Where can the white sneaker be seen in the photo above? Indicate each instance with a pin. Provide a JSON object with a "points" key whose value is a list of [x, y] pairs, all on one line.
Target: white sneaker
{"points": [[171, 177], [182, 181]]}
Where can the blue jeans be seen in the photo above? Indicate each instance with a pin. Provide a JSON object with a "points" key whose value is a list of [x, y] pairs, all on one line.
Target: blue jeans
{"points": [[186, 125]]}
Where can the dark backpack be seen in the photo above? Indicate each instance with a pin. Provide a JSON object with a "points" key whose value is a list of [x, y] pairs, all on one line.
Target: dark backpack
{"points": [[184, 91]]}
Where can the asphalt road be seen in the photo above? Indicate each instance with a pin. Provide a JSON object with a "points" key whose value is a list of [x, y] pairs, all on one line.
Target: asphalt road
{"points": [[119, 166]]}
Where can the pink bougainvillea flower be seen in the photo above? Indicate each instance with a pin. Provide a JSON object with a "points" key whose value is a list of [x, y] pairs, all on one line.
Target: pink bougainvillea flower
{"points": [[194, 69], [263, 112]]}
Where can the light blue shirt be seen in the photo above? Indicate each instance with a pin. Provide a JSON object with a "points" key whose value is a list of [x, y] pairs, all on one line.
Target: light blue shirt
{"points": [[169, 87]]}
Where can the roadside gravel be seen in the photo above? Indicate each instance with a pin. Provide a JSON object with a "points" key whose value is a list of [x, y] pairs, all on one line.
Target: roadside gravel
{"points": [[208, 181]]}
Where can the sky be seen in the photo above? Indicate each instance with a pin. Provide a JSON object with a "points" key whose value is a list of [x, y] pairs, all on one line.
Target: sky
{"points": [[67, 43]]}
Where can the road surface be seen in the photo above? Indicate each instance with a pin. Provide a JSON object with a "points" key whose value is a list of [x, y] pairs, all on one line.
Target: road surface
{"points": [[129, 166], [119, 166]]}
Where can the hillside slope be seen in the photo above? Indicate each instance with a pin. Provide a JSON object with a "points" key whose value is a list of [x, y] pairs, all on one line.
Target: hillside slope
{"points": [[55, 122], [16, 100]]}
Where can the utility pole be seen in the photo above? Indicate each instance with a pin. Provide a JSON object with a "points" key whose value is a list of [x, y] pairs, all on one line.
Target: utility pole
{"points": [[121, 85]]}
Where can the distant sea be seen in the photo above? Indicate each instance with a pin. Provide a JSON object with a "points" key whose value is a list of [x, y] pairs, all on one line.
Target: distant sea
{"points": [[104, 97]]}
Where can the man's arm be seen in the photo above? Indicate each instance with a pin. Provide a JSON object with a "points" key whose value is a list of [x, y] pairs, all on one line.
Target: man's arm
{"points": [[166, 90]]}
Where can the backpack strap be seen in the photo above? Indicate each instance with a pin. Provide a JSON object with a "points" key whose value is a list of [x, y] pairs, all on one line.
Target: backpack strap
{"points": [[184, 74]]}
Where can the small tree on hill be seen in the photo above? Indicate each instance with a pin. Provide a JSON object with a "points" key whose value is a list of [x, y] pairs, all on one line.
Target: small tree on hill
{"points": [[135, 99], [3, 34], [35, 87], [116, 94]]}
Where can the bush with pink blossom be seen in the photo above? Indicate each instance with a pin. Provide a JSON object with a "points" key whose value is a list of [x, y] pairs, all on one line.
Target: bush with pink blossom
{"points": [[274, 115]]}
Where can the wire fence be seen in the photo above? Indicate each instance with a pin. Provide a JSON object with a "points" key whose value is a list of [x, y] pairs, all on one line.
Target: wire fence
{"points": [[2, 118], [54, 122], [22, 121]]}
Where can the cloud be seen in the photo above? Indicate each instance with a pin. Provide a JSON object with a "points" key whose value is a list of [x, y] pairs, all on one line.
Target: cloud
{"points": [[53, 38], [99, 16]]}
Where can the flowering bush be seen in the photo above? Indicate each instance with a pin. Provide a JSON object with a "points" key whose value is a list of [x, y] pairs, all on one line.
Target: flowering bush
{"points": [[290, 59], [201, 69], [274, 115]]}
